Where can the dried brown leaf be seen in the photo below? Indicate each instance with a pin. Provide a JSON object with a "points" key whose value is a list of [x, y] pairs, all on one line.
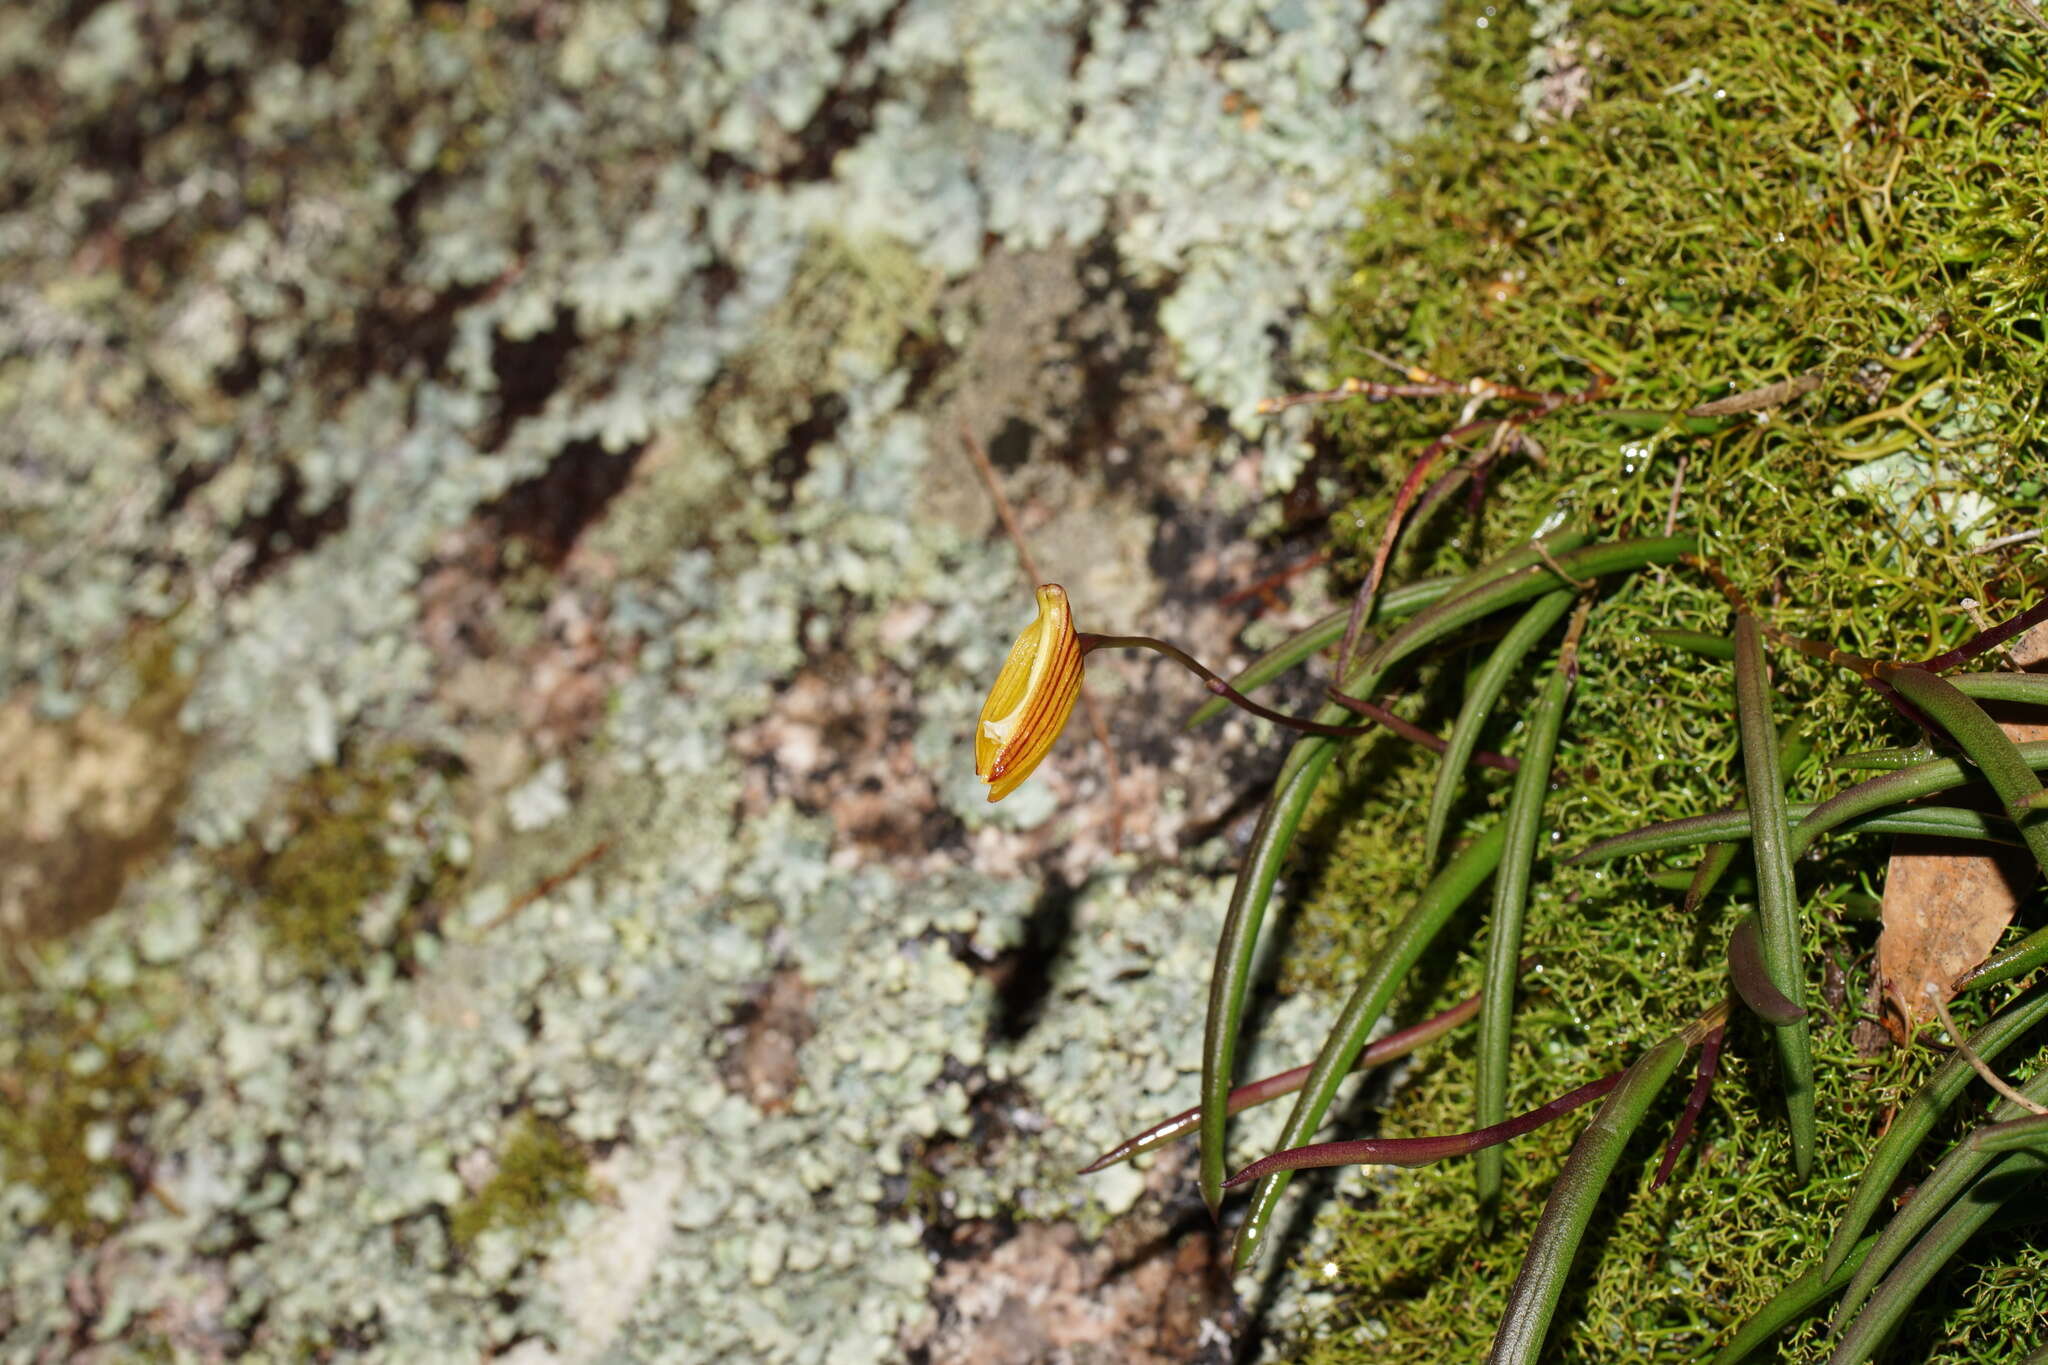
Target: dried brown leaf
{"points": [[1945, 906]]}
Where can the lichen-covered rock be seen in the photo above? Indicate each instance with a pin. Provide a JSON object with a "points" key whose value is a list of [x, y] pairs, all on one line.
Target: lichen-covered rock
{"points": [[532, 433]]}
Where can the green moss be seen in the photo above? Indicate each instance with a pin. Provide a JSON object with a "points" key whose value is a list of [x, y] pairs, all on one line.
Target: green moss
{"points": [[540, 1170], [70, 1107], [1749, 193], [314, 887], [1711, 221]]}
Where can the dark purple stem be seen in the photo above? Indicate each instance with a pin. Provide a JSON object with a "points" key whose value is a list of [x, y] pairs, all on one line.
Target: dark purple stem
{"points": [[1703, 1084], [1986, 641], [1421, 1151], [1397, 1044], [1220, 687], [1414, 733]]}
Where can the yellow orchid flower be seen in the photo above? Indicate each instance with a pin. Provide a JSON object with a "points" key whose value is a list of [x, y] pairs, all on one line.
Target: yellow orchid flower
{"points": [[1032, 698], [1041, 681]]}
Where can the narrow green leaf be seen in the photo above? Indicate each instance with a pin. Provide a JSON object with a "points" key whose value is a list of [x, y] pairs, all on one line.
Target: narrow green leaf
{"points": [[1933, 822], [1950, 1176], [1715, 860], [1480, 695], [1909, 783], [2010, 1181], [2014, 1135], [1305, 643], [1777, 898], [2029, 953], [1793, 750], [1912, 1124], [1533, 1300], [1936, 822], [1792, 1303], [1848, 806], [1884, 759], [1706, 646], [1234, 947], [1369, 999], [2020, 687], [1681, 879], [1806, 1293], [1523, 823], [1593, 561], [2005, 768]]}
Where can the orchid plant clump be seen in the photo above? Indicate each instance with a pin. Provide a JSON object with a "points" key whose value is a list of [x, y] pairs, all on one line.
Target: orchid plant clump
{"points": [[1523, 596], [1772, 274]]}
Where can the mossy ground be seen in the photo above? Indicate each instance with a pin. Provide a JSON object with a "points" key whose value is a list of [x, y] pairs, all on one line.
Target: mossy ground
{"points": [[540, 1171], [337, 859], [71, 1105], [1744, 194]]}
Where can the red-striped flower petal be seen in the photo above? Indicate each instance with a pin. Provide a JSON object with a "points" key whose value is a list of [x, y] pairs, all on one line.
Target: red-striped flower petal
{"points": [[1032, 698]]}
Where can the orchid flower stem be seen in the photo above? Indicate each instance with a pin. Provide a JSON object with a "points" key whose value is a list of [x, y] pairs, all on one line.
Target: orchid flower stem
{"points": [[1090, 643], [1408, 730], [1382, 718], [1405, 600]]}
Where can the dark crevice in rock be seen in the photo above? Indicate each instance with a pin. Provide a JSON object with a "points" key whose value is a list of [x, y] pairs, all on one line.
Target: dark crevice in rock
{"points": [[549, 511], [844, 117], [792, 460], [528, 372], [287, 527]]}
